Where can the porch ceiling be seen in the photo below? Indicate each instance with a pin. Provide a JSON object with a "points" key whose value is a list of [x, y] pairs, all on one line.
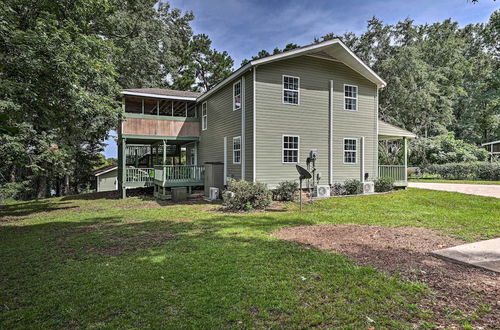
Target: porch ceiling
{"points": [[387, 131], [141, 139]]}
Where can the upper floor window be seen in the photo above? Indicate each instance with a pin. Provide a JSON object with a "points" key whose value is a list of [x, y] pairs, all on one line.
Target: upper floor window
{"points": [[237, 95], [291, 86], [350, 150], [350, 97], [237, 150], [290, 148], [204, 117]]}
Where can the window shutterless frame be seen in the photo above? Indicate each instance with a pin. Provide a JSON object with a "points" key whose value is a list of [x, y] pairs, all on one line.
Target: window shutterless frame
{"points": [[352, 90], [204, 116], [290, 149], [354, 151], [237, 150], [237, 95], [290, 90]]}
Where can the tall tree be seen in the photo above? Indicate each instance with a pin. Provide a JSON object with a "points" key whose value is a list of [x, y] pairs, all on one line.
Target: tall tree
{"points": [[57, 86], [208, 65]]}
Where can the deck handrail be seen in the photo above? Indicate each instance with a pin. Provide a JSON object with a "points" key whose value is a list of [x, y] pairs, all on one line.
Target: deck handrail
{"points": [[179, 173], [396, 172], [137, 174]]}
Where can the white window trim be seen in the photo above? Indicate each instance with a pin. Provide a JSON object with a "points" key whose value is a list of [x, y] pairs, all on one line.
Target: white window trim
{"points": [[283, 149], [234, 97], [344, 151], [236, 138], [283, 90], [355, 98], [203, 116]]}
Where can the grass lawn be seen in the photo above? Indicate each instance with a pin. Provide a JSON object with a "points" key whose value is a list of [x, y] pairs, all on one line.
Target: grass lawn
{"points": [[454, 181], [72, 262]]}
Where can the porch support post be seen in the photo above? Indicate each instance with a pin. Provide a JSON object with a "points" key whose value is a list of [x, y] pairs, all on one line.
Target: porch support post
{"points": [[122, 169], [179, 151], [195, 149], [164, 152], [405, 143]]}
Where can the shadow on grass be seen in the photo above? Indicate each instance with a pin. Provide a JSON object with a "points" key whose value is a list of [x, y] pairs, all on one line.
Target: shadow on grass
{"points": [[30, 207], [213, 272]]}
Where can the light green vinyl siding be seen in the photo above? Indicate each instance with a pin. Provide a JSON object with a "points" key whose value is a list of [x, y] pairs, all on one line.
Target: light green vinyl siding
{"points": [[310, 119], [223, 121], [107, 181]]}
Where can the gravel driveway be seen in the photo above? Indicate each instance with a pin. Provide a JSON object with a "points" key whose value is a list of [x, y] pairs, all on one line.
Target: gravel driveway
{"points": [[489, 190]]}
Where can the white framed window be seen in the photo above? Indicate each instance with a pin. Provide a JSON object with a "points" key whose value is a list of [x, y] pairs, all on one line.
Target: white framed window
{"points": [[350, 97], [291, 144], [350, 150], [237, 150], [291, 90], [204, 116], [237, 95]]}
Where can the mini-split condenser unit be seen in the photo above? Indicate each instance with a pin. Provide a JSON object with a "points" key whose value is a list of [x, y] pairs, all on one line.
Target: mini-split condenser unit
{"points": [[368, 187], [322, 191], [214, 193]]}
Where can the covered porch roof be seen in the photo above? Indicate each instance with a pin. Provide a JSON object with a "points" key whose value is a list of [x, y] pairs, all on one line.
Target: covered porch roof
{"points": [[388, 131]]}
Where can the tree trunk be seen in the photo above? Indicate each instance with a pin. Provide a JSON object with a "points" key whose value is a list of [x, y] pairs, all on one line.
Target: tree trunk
{"points": [[42, 187]]}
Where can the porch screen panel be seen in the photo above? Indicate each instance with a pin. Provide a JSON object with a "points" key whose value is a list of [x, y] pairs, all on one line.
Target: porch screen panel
{"points": [[150, 107], [133, 105], [179, 109], [166, 108], [191, 109]]}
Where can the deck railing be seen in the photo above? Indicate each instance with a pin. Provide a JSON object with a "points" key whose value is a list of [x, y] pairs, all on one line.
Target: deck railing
{"points": [[138, 175], [396, 172], [178, 175]]}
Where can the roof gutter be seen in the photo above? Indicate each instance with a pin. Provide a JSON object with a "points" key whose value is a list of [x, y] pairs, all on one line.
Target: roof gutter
{"points": [[158, 96]]}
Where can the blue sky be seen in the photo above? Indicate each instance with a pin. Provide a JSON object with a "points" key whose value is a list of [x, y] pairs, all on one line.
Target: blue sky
{"points": [[245, 27]]}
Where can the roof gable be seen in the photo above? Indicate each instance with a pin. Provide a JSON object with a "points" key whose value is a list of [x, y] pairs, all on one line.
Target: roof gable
{"points": [[332, 49]]}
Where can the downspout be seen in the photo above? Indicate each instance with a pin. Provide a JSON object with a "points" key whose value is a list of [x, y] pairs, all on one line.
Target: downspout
{"points": [[254, 134], [243, 128], [330, 140]]}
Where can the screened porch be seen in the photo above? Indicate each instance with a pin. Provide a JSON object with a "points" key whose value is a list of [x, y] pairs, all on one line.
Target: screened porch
{"points": [[393, 153]]}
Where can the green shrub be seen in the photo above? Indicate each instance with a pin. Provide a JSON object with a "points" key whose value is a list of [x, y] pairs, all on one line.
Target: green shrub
{"points": [[444, 149], [384, 184], [465, 171], [245, 195], [286, 191], [353, 187], [338, 189], [15, 190]]}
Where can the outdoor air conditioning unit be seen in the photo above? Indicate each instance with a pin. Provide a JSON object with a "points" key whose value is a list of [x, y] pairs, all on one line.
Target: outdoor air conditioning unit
{"points": [[322, 191], [368, 187], [213, 193]]}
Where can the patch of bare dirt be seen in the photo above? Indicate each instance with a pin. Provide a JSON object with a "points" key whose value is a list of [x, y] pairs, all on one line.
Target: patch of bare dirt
{"points": [[112, 242], [458, 291]]}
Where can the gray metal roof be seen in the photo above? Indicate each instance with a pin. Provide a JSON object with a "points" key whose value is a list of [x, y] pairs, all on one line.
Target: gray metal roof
{"points": [[386, 130], [160, 92], [492, 142]]}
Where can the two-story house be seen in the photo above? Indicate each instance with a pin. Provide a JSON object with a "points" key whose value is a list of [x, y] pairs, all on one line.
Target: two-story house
{"points": [[261, 121]]}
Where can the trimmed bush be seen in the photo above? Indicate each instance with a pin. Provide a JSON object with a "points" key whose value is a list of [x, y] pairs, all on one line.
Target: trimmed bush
{"points": [[245, 196], [466, 171], [286, 191], [338, 189], [384, 184], [353, 187]]}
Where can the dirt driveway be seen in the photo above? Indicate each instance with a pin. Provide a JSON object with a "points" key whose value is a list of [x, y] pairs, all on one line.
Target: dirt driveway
{"points": [[405, 251], [489, 190]]}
